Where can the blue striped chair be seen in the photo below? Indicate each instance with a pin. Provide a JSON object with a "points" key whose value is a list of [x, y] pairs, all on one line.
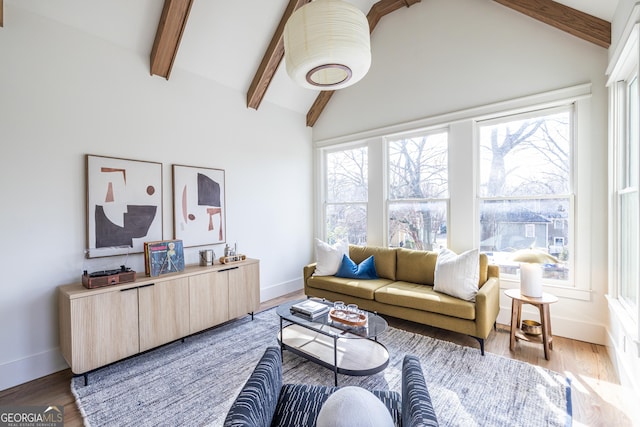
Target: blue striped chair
{"points": [[264, 401]]}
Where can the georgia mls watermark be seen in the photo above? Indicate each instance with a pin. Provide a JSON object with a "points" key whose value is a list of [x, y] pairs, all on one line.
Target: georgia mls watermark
{"points": [[32, 416]]}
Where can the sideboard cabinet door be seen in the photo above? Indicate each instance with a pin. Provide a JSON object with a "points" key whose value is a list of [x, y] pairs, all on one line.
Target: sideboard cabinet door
{"points": [[208, 300], [104, 329], [164, 312], [244, 290]]}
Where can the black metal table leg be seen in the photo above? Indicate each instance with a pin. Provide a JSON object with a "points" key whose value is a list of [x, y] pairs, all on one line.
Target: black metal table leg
{"points": [[335, 360], [281, 340]]}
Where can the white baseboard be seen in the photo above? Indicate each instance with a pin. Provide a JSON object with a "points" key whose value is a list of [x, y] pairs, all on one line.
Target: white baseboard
{"points": [[280, 289], [30, 368], [563, 327]]}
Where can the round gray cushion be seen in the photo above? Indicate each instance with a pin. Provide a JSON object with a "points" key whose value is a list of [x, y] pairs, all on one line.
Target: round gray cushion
{"points": [[354, 407]]}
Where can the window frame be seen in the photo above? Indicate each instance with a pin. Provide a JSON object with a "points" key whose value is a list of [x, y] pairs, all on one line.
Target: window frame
{"points": [[533, 112], [625, 69], [386, 142], [324, 198]]}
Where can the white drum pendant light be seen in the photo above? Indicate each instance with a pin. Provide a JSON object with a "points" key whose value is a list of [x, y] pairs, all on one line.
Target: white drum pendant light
{"points": [[326, 45]]}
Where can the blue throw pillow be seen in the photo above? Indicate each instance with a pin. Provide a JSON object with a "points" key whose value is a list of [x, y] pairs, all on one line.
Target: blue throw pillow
{"points": [[366, 270]]}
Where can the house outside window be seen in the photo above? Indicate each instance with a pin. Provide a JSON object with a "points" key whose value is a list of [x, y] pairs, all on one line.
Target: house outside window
{"points": [[346, 195], [525, 165], [417, 175]]}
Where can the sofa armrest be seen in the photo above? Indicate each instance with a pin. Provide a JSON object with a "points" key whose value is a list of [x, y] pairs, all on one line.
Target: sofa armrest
{"points": [[307, 271], [487, 306], [417, 409], [256, 403]]}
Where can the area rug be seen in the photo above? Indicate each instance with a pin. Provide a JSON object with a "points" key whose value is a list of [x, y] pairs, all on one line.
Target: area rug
{"points": [[194, 383]]}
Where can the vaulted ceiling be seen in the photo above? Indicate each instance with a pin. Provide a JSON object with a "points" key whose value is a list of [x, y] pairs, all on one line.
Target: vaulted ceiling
{"points": [[242, 47], [176, 13]]}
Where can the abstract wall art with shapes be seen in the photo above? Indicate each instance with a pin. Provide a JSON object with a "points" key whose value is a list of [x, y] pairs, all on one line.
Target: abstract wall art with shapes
{"points": [[124, 205], [198, 205]]}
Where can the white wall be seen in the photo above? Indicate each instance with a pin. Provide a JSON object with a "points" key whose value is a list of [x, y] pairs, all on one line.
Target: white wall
{"points": [[439, 57], [64, 94]]}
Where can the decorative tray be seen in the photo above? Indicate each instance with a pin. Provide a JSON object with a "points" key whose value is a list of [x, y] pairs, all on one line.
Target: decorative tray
{"points": [[234, 258], [341, 317]]}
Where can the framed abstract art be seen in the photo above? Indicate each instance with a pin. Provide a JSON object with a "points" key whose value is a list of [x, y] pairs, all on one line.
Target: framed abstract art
{"points": [[124, 205], [198, 205]]}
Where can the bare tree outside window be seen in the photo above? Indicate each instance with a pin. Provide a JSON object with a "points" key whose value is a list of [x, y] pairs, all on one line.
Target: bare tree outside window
{"points": [[525, 188], [347, 195], [418, 191]]}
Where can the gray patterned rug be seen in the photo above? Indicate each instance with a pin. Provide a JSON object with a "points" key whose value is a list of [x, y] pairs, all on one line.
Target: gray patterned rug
{"points": [[194, 383]]}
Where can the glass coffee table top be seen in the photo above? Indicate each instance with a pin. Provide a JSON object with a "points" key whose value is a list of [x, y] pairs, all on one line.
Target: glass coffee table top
{"points": [[375, 324]]}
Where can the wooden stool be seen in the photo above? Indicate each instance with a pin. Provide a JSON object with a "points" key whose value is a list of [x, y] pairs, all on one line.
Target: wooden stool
{"points": [[517, 300]]}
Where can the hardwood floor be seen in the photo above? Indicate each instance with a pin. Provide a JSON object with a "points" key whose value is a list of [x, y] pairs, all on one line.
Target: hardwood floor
{"points": [[597, 397]]}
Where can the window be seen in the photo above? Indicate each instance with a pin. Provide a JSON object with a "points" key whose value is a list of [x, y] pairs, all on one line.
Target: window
{"points": [[480, 178], [628, 196], [418, 191], [530, 230], [525, 188], [346, 195]]}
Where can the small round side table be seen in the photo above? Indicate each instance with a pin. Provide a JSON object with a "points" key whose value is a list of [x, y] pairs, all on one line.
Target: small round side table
{"points": [[517, 300]]}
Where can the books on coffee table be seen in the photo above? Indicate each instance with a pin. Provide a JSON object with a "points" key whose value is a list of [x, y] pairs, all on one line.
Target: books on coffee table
{"points": [[310, 309]]}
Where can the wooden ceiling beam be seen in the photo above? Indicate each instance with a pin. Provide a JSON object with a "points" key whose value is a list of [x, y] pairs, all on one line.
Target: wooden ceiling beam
{"points": [[173, 21], [271, 59], [384, 7], [377, 11], [565, 18]]}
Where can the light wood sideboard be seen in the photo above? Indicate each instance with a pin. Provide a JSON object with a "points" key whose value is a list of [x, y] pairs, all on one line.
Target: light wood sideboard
{"points": [[104, 325]]}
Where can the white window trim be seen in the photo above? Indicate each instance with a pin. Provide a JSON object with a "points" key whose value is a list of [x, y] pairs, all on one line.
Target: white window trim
{"points": [[577, 280], [625, 62]]}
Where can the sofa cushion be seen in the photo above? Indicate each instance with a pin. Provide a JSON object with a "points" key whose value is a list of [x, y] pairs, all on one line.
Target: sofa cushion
{"points": [[353, 287], [423, 297], [300, 404], [329, 257], [416, 266], [458, 275], [366, 270], [384, 259]]}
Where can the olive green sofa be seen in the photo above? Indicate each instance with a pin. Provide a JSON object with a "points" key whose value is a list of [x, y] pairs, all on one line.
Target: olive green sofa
{"points": [[404, 290]]}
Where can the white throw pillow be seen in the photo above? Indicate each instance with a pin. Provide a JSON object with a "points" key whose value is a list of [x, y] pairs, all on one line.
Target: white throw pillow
{"points": [[329, 258], [458, 275], [353, 407]]}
